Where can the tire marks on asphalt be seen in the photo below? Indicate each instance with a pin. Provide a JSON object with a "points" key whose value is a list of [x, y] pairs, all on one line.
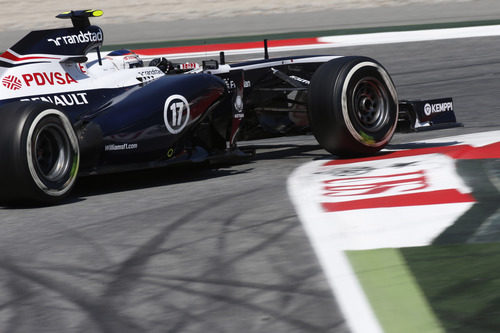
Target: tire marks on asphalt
{"points": [[190, 296]]}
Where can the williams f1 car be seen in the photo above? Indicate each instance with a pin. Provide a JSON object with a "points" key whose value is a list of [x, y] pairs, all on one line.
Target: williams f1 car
{"points": [[68, 110]]}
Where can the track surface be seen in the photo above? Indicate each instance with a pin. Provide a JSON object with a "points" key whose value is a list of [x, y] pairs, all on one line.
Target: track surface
{"points": [[195, 249]]}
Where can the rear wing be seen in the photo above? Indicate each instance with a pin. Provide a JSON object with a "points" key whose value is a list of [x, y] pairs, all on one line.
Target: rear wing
{"points": [[57, 44]]}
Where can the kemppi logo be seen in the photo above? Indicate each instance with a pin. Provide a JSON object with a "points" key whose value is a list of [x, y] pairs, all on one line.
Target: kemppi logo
{"points": [[437, 108]]}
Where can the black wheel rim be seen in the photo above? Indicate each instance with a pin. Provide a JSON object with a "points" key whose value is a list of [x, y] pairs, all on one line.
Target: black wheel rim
{"points": [[52, 153], [370, 104]]}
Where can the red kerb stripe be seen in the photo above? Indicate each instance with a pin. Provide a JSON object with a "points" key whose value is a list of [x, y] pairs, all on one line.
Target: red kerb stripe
{"points": [[459, 152], [232, 46], [405, 200]]}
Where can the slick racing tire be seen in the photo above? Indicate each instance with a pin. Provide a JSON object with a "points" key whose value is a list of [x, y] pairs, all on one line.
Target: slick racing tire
{"points": [[39, 154], [353, 106]]}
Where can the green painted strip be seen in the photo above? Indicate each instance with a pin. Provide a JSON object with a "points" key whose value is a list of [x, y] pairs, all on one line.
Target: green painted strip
{"points": [[299, 34], [394, 295], [461, 282]]}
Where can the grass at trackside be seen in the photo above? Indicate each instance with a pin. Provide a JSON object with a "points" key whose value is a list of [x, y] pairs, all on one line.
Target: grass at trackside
{"points": [[392, 291], [451, 288], [462, 284], [299, 34]]}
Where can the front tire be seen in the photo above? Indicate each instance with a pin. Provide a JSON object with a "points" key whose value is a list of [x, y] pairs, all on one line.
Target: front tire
{"points": [[353, 106], [40, 153]]}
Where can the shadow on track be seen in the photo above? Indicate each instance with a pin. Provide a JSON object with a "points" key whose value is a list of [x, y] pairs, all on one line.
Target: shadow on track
{"points": [[131, 180]]}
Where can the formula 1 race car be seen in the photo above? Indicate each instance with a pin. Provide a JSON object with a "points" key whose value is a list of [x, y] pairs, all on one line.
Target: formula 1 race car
{"points": [[66, 111]]}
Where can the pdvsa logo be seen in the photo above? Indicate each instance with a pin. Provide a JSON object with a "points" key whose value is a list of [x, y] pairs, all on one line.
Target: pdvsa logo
{"points": [[38, 79], [12, 82], [47, 79]]}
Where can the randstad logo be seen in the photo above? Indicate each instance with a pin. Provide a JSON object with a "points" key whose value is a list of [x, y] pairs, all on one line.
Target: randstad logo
{"points": [[82, 37]]}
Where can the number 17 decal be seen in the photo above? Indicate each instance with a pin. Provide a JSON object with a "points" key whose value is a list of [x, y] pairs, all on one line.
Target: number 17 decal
{"points": [[176, 113]]}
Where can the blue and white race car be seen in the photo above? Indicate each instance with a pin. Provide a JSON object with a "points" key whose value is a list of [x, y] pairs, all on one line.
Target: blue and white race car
{"points": [[67, 110]]}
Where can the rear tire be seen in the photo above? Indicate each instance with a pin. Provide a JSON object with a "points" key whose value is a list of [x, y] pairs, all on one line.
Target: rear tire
{"points": [[39, 152], [353, 106]]}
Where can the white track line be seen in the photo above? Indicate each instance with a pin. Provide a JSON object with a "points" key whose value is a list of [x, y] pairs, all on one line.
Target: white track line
{"points": [[411, 36], [331, 234]]}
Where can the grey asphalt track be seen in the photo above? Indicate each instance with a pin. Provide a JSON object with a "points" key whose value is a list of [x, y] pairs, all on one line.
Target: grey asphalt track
{"points": [[210, 250]]}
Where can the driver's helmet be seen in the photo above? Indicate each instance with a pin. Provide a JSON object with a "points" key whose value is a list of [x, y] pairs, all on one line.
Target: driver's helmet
{"points": [[124, 59]]}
